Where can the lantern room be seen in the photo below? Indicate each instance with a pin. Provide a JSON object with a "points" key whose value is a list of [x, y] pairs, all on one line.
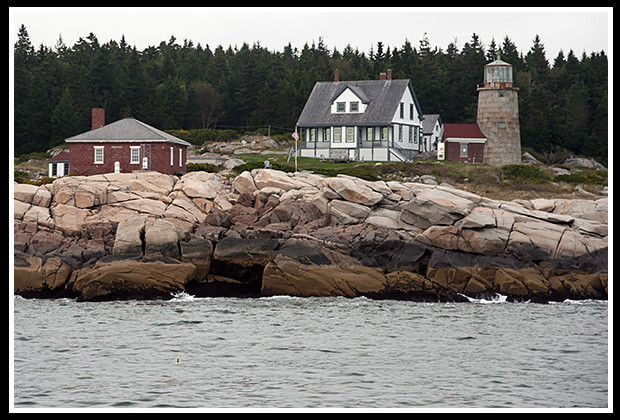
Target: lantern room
{"points": [[498, 75]]}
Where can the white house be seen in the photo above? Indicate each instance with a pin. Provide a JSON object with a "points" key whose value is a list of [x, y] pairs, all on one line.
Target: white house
{"points": [[432, 128], [370, 120]]}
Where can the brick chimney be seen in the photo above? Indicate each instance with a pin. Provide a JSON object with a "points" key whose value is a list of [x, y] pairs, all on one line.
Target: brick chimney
{"points": [[336, 75], [389, 74], [98, 118], [382, 76]]}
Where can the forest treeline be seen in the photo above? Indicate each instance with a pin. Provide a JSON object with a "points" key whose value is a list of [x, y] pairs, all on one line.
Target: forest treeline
{"points": [[562, 103]]}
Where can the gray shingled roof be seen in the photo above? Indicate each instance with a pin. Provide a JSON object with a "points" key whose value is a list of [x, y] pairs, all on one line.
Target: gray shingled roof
{"points": [[428, 124], [383, 99], [128, 129]]}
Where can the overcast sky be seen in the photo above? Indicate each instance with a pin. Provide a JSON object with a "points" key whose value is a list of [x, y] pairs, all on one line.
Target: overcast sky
{"points": [[579, 29]]}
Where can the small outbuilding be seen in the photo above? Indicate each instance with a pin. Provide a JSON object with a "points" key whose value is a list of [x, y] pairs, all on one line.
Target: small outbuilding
{"points": [[462, 143], [124, 146], [58, 165]]}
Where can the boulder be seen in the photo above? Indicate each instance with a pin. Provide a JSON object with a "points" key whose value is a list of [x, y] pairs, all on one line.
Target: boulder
{"points": [[346, 212], [272, 178], [243, 259], [154, 207], [35, 276], [197, 251], [130, 236], [435, 207], [198, 185], [121, 278], [40, 215], [161, 238], [244, 183], [288, 276], [349, 190], [19, 209], [25, 192], [69, 219]]}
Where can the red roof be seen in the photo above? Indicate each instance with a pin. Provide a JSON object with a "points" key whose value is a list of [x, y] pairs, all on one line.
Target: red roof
{"points": [[462, 131], [62, 156]]}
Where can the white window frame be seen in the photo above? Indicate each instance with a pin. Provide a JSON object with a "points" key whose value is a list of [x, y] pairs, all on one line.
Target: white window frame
{"points": [[180, 157], [337, 134], [350, 135], [134, 155], [463, 150], [171, 156], [95, 157]]}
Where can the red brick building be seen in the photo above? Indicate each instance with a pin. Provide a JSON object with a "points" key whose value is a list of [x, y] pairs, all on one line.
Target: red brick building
{"points": [[462, 143], [125, 146]]}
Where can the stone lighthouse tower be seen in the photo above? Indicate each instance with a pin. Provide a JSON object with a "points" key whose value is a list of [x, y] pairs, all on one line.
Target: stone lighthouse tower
{"points": [[498, 115]]}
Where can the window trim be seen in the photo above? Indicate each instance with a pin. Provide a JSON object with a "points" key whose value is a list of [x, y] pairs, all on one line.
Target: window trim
{"points": [[463, 147], [133, 149], [337, 134], [350, 134], [95, 150]]}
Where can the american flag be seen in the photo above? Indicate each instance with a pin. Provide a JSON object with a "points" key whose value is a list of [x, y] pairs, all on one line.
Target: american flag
{"points": [[295, 135]]}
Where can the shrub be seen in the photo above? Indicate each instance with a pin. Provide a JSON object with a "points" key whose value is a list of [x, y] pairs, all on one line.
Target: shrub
{"points": [[596, 177], [206, 167], [524, 174]]}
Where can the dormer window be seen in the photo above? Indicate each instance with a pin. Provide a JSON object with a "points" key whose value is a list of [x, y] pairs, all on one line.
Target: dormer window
{"points": [[349, 99]]}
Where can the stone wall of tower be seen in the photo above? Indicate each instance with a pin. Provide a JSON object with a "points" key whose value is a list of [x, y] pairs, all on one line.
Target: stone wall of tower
{"points": [[498, 119]]}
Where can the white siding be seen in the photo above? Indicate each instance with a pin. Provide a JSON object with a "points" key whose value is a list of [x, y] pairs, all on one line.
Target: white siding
{"points": [[347, 96]]}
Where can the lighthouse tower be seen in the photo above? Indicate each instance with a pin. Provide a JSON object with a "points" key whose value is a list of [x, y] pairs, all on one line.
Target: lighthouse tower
{"points": [[498, 115]]}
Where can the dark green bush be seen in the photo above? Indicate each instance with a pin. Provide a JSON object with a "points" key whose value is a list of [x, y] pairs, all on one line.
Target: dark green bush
{"points": [[524, 174]]}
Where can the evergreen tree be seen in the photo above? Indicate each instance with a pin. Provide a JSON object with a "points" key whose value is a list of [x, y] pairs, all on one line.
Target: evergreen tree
{"points": [[64, 119], [174, 86]]}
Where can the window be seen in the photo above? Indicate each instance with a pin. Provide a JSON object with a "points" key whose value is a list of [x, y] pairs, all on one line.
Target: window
{"points": [[350, 135], [171, 156], [384, 133], [410, 134], [354, 106], [98, 154], [54, 170], [180, 157], [134, 156], [66, 168], [340, 106], [501, 124], [411, 111], [402, 110], [312, 136], [463, 148], [337, 134], [400, 132], [326, 134]]}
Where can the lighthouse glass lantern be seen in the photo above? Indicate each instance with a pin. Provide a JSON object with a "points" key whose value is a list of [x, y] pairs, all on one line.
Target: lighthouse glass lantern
{"points": [[498, 75]]}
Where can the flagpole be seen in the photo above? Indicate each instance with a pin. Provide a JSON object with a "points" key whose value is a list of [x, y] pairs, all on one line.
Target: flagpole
{"points": [[296, 139]]}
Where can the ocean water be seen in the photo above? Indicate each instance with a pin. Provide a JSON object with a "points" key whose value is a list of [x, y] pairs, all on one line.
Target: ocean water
{"points": [[286, 352]]}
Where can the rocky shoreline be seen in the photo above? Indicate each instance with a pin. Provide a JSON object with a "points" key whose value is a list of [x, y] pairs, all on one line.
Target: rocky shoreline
{"points": [[147, 235]]}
